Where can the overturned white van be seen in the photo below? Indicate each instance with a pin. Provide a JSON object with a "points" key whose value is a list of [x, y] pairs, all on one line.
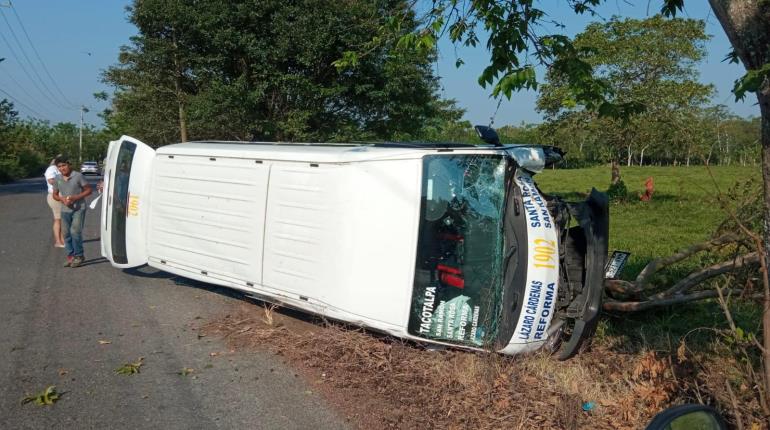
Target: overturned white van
{"points": [[447, 244]]}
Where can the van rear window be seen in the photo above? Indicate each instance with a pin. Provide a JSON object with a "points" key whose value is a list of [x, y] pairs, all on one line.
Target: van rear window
{"points": [[458, 274]]}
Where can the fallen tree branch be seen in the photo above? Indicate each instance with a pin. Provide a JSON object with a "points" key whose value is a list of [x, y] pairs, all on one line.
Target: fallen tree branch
{"points": [[621, 287], [698, 277], [653, 266], [648, 304]]}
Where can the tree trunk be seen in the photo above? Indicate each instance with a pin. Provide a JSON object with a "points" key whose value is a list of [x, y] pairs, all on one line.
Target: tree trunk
{"points": [[745, 23], [630, 154], [182, 113], [764, 108], [179, 93]]}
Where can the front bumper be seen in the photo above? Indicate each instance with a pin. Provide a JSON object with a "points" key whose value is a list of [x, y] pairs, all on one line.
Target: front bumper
{"points": [[592, 216]]}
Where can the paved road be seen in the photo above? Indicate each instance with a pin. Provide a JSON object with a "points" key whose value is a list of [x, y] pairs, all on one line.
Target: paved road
{"points": [[53, 317]]}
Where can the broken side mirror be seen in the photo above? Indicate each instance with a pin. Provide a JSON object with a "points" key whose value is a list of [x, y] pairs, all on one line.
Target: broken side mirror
{"points": [[553, 155], [488, 135], [688, 417]]}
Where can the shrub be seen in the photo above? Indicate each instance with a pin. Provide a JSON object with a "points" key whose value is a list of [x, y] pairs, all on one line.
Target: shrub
{"points": [[618, 192]]}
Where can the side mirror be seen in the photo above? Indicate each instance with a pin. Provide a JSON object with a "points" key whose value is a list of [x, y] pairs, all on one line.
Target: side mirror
{"points": [[686, 417], [488, 135], [553, 155]]}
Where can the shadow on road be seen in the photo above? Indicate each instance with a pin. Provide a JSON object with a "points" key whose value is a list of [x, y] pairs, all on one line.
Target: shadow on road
{"points": [[152, 273], [93, 261], [24, 186], [148, 272], [36, 186]]}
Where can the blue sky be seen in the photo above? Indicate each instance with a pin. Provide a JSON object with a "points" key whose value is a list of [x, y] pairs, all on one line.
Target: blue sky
{"points": [[78, 40]]}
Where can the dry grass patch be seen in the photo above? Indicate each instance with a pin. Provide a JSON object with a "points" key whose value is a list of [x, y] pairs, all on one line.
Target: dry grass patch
{"points": [[383, 382]]}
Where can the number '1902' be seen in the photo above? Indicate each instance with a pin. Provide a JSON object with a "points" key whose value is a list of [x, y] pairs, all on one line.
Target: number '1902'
{"points": [[545, 253]]}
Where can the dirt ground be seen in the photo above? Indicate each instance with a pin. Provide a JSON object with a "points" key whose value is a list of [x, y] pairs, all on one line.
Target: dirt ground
{"points": [[376, 381]]}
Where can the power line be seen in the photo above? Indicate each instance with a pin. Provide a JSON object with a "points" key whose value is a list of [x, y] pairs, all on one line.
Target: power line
{"points": [[24, 69], [21, 104], [45, 69], [52, 97], [24, 90]]}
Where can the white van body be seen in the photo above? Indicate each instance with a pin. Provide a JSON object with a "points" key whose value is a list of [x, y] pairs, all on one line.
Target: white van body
{"points": [[328, 229]]}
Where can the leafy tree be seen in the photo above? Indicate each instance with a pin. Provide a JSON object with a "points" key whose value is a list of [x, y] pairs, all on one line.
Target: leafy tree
{"points": [[263, 70], [649, 64], [8, 116], [17, 157], [8, 119]]}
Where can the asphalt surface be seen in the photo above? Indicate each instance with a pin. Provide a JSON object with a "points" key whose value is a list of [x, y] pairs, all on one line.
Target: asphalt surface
{"points": [[53, 318]]}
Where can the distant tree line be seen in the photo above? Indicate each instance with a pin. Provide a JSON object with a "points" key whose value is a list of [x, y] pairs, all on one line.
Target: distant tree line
{"points": [[649, 66], [720, 138], [28, 145]]}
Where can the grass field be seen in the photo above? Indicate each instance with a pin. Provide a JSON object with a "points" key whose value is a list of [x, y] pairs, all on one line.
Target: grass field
{"points": [[683, 211]]}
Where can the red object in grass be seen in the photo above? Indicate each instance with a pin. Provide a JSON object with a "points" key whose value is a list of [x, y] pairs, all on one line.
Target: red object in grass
{"points": [[649, 190]]}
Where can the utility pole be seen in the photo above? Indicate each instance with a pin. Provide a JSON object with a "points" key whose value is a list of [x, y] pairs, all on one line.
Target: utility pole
{"points": [[80, 145], [83, 110]]}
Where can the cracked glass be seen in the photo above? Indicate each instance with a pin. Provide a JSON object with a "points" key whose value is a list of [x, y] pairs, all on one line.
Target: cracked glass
{"points": [[459, 270]]}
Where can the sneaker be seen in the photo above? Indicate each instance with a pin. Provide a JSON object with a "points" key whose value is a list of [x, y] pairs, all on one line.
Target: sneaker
{"points": [[69, 261], [77, 261]]}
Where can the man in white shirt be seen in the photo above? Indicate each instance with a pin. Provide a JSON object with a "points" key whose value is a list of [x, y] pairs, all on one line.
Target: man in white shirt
{"points": [[50, 177]]}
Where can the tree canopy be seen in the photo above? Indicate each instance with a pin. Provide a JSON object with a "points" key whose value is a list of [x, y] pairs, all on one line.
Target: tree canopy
{"points": [[263, 70], [647, 65]]}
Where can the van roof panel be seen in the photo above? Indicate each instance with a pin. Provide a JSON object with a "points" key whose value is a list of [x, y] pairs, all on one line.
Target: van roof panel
{"points": [[316, 152]]}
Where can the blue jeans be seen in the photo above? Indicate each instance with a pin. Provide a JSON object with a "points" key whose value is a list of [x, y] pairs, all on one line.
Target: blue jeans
{"points": [[72, 230]]}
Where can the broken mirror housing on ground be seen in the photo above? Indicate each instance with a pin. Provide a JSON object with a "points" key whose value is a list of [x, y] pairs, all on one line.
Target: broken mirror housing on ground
{"points": [[448, 244]]}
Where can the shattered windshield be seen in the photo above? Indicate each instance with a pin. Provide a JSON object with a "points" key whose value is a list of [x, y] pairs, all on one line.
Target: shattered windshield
{"points": [[458, 276]]}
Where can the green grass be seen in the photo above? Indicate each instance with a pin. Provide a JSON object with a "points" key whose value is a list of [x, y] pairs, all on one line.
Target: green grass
{"points": [[683, 211]]}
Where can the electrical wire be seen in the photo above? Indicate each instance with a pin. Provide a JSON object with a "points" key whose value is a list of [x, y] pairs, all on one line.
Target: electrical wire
{"points": [[45, 69], [24, 69], [21, 104], [51, 96], [40, 106]]}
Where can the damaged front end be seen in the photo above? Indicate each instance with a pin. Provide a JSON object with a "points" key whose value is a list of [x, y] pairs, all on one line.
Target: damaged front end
{"points": [[583, 258], [500, 265], [555, 260]]}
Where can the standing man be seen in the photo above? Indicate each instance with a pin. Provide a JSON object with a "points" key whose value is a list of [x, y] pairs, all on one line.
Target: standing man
{"points": [[71, 189], [50, 178]]}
